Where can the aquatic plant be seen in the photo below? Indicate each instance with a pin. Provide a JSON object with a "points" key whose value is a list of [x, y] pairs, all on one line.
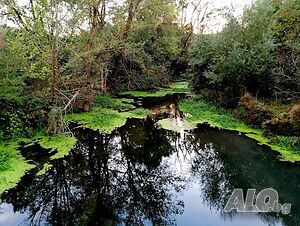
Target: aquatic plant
{"points": [[107, 101], [13, 165], [175, 87], [103, 119]]}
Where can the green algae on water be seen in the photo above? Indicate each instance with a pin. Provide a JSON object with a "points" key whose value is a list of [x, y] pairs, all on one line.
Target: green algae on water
{"points": [[62, 144], [15, 166], [175, 87], [46, 167], [103, 119]]}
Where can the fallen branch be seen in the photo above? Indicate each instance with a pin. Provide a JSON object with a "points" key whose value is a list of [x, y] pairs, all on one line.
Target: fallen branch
{"points": [[70, 101]]}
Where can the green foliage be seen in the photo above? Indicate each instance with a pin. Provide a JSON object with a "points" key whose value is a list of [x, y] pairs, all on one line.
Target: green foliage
{"points": [[21, 112], [21, 116], [286, 61], [42, 34], [259, 53], [156, 31], [5, 155], [236, 58], [11, 75]]}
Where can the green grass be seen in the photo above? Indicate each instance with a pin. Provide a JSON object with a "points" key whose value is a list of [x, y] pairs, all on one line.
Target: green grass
{"points": [[288, 151], [175, 87], [203, 112], [289, 142]]}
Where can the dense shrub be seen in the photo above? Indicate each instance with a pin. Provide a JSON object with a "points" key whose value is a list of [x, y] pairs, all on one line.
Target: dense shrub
{"points": [[295, 114], [283, 127], [21, 116], [286, 59], [252, 111], [259, 53]]}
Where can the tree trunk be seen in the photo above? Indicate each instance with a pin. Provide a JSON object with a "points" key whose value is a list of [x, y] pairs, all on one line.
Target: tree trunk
{"points": [[131, 13], [54, 71], [87, 62]]}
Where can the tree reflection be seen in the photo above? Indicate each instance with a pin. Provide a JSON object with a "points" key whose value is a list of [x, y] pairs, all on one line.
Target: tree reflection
{"points": [[219, 164], [105, 180], [131, 177]]}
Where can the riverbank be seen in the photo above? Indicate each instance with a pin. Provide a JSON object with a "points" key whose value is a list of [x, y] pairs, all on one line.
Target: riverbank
{"points": [[202, 111]]}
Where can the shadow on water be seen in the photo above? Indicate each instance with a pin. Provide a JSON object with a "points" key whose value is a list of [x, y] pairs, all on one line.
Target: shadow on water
{"points": [[144, 175]]}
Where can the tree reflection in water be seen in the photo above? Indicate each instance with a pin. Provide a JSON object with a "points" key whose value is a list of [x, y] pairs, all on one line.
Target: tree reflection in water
{"points": [[138, 175], [105, 179]]}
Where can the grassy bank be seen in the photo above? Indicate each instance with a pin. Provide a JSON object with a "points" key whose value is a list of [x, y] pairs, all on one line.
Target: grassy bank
{"points": [[203, 112]]}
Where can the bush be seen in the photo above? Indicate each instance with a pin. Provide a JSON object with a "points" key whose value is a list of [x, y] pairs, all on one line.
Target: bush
{"points": [[283, 127], [21, 116], [251, 111], [238, 58], [4, 157], [295, 114]]}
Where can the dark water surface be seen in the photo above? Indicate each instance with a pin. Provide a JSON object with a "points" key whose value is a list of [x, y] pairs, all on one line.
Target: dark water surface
{"points": [[144, 175]]}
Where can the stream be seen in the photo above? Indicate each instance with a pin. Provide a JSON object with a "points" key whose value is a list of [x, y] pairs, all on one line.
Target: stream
{"points": [[141, 174]]}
